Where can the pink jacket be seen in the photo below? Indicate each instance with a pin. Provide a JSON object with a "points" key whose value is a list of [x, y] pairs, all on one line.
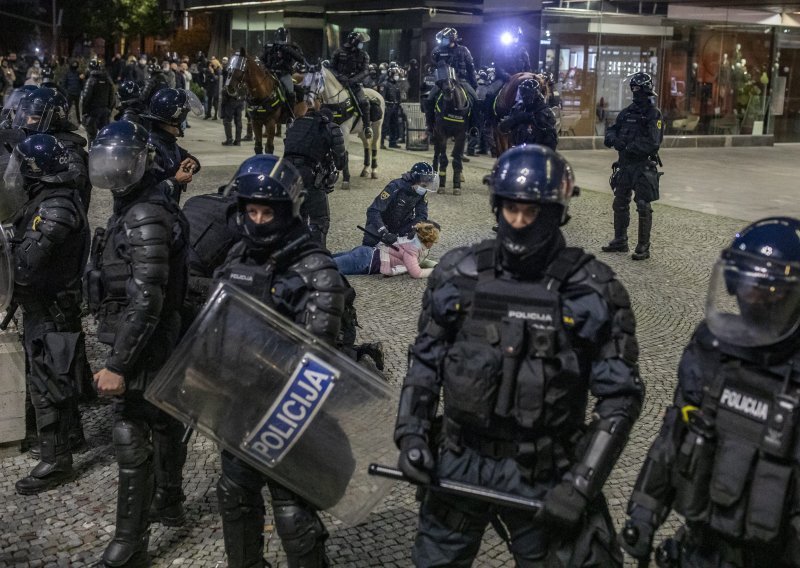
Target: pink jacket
{"points": [[407, 259]]}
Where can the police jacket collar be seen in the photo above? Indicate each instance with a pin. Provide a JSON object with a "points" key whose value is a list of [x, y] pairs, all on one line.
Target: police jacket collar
{"points": [[774, 355]]}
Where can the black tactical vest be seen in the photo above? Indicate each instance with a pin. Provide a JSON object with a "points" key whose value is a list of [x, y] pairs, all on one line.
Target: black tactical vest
{"points": [[512, 357], [736, 467]]}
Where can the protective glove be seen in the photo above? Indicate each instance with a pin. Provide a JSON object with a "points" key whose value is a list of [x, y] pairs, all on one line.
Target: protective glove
{"points": [[416, 459], [619, 145], [637, 535], [387, 237], [564, 505]]}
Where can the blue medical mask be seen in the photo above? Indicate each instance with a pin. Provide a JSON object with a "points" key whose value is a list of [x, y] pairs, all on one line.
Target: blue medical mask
{"points": [[420, 190], [360, 45]]}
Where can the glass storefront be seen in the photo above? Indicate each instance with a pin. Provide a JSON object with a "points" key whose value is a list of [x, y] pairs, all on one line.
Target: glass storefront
{"points": [[711, 78]]}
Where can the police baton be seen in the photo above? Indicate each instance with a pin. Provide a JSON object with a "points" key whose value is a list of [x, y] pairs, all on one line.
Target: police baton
{"points": [[10, 313], [462, 489], [630, 534], [375, 236], [187, 434]]}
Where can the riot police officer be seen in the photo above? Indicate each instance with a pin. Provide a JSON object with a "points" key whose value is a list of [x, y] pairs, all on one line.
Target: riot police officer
{"points": [[97, 99], [130, 106], [725, 458], [530, 121], [513, 58], [402, 204], [46, 110], [314, 144], [636, 135], [231, 108], [156, 80], [392, 95], [450, 51], [50, 246], [280, 57], [174, 166], [135, 284], [350, 64], [303, 282], [513, 330]]}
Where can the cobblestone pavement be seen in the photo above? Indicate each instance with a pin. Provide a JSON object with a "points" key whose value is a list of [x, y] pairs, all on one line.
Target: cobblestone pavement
{"points": [[70, 526]]}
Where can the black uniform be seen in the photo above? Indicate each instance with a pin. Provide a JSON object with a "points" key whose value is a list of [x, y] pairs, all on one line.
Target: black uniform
{"points": [[132, 111], [97, 100], [231, 109], [391, 94], [351, 67], [396, 210], [511, 61], [531, 124], [156, 81], [315, 145], [137, 283], [78, 160], [50, 247], [636, 135], [514, 356], [169, 156], [306, 283], [281, 59]]}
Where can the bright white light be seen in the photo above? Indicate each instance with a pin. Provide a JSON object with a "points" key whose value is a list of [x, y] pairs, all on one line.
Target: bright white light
{"points": [[506, 38]]}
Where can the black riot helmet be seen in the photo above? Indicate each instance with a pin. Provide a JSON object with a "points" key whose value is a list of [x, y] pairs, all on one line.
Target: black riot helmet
{"points": [[267, 180], [41, 110], [423, 174], [642, 82], [119, 157], [170, 106], [754, 291], [356, 40], [447, 36], [530, 91], [530, 174], [129, 91], [38, 158], [281, 35]]}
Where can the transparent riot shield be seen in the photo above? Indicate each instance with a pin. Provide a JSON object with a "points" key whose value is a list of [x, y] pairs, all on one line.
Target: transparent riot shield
{"points": [[12, 196], [6, 271], [275, 396]]}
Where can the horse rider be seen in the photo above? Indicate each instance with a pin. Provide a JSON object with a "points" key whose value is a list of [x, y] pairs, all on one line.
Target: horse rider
{"points": [[350, 65], [459, 58], [280, 57]]}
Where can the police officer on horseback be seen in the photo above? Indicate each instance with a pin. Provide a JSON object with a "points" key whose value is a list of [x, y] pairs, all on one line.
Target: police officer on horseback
{"points": [[726, 457], [513, 332], [280, 57], [350, 64], [636, 135], [531, 121], [513, 58], [449, 51]]}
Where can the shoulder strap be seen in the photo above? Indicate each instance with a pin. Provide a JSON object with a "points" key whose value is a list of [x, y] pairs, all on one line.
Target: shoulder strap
{"points": [[485, 259], [568, 261]]}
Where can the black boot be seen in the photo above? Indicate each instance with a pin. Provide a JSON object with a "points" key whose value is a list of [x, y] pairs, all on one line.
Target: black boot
{"points": [[374, 351], [55, 466], [442, 183], [242, 525], [456, 183], [129, 546], [169, 459], [76, 441], [620, 241], [642, 251], [228, 134]]}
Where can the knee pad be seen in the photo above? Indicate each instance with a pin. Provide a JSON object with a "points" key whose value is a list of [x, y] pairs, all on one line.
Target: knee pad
{"points": [[131, 443], [644, 208], [299, 527], [621, 203], [236, 501]]}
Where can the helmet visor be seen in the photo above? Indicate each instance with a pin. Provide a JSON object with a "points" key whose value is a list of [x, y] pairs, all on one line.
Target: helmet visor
{"points": [[116, 168], [12, 103], [429, 182], [33, 115], [281, 171], [195, 106], [752, 303]]}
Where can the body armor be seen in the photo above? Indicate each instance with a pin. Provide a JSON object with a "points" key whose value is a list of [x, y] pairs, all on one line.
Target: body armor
{"points": [[530, 124], [316, 139], [391, 92], [281, 57], [98, 93], [351, 64], [460, 59], [212, 231], [155, 82]]}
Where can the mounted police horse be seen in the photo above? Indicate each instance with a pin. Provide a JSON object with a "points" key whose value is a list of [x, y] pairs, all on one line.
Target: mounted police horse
{"points": [[452, 107], [345, 113], [501, 105], [264, 97]]}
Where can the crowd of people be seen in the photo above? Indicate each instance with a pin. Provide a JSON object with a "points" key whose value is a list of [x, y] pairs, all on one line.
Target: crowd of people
{"points": [[514, 334]]}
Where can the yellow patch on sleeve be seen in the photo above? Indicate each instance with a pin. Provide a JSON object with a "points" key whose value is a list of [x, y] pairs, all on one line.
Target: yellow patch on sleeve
{"points": [[658, 124], [568, 320], [384, 195], [36, 221], [687, 410]]}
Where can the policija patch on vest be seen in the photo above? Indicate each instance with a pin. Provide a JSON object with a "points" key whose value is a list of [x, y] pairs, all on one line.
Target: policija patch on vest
{"points": [[745, 404], [384, 195], [292, 412]]}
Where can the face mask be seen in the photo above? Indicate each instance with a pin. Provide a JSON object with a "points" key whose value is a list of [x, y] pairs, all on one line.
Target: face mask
{"points": [[420, 190], [396, 77], [36, 65], [360, 45], [383, 71]]}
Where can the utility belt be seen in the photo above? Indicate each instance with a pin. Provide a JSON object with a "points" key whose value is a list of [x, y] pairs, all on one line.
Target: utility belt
{"points": [[64, 309], [544, 455]]}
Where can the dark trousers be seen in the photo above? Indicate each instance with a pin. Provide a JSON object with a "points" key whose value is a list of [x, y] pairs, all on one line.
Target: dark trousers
{"points": [[392, 120], [212, 101], [94, 120], [232, 113], [74, 104], [316, 213]]}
